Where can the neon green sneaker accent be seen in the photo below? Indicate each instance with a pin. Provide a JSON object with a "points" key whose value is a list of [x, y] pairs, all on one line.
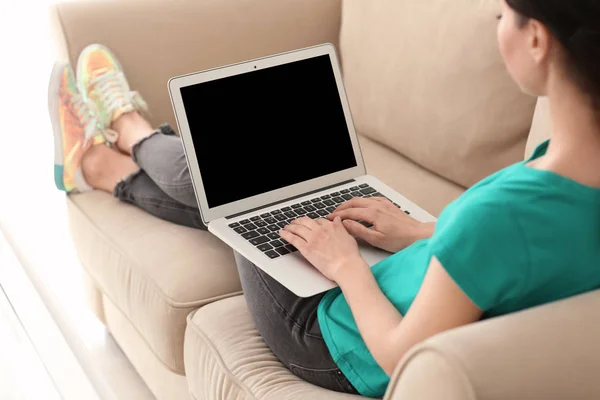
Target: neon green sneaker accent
{"points": [[101, 80]]}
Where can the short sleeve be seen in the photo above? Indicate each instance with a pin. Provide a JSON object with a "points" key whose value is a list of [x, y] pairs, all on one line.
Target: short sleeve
{"points": [[482, 248]]}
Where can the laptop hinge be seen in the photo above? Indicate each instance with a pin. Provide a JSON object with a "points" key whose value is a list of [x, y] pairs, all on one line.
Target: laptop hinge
{"points": [[289, 199]]}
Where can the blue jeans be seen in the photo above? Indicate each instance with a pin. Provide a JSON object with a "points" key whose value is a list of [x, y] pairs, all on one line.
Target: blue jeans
{"points": [[288, 324]]}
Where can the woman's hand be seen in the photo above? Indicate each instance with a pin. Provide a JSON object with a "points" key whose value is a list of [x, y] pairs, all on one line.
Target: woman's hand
{"points": [[392, 229], [325, 244]]}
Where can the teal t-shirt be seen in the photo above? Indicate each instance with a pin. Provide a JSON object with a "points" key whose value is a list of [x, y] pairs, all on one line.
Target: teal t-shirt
{"points": [[520, 238]]}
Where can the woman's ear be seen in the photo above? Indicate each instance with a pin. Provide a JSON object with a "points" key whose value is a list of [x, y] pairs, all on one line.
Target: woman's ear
{"points": [[540, 41]]}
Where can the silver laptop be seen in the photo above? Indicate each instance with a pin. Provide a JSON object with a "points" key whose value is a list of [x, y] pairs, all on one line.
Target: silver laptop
{"points": [[268, 141]]}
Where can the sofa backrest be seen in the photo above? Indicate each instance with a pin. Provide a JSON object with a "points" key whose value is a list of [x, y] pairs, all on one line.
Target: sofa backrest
{"points": [[156, 40], [425, 78]]}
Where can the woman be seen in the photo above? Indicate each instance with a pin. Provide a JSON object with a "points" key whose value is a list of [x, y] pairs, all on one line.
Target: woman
{"points": [[526, 236]]}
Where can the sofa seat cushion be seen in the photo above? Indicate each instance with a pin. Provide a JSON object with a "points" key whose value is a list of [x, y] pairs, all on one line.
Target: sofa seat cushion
{"points": [[153, 271], [424, 188], [226, 358]]}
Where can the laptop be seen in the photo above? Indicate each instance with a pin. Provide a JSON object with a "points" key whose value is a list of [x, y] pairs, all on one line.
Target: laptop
{"points": [[271, 140]]}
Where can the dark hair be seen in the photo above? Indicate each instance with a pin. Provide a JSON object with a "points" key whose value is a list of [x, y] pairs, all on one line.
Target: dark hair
{"points": [[576, 24]]}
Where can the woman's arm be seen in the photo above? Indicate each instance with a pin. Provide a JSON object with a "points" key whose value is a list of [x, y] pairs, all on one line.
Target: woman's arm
{"points": [[439, 306]]}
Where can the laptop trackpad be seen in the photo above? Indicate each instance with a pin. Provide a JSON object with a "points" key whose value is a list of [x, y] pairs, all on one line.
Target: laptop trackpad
{"points": [[371, 254]]}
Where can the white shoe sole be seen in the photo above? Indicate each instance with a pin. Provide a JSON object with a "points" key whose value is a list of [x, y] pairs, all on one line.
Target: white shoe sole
{"points": [[53, 106]]}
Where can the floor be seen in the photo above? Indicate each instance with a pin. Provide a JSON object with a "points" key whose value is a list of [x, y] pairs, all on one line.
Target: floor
{"points": [[20, 363], [36, 362], [33, 228]]}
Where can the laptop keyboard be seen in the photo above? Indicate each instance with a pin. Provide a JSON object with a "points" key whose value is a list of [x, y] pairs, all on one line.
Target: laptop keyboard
{"points": [[262, 230]]}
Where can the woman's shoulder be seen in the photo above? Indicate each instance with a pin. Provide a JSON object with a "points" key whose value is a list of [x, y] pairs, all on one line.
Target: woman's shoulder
{"points": [[516, 186], [496, 194], [522, 200], [479, 214]]}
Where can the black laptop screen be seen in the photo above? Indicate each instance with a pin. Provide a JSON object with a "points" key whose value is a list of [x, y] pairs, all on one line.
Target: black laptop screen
{"points": [[267, 129]]}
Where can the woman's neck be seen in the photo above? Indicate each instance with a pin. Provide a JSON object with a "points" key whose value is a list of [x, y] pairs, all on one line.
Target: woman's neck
{"points": [[574, 151]]}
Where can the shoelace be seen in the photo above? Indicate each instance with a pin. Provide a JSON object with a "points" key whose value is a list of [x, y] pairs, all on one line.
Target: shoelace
{"points": [[87, 118], [112, 92]]}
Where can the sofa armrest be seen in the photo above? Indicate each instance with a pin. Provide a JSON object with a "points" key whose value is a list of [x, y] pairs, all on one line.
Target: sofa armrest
{"points": [[549, 352], [158, 39]]}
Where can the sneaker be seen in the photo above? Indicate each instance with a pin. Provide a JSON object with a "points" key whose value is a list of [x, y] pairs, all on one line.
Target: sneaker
{"points": [[101, 80], [75, 129]]}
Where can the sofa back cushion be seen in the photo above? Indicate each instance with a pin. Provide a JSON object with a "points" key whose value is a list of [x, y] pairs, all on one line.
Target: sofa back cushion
{"points": [[426, 79], [156, 40]]}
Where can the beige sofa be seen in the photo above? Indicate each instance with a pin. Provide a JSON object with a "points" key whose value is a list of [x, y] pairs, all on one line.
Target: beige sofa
{"points": [[436, 112]]}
